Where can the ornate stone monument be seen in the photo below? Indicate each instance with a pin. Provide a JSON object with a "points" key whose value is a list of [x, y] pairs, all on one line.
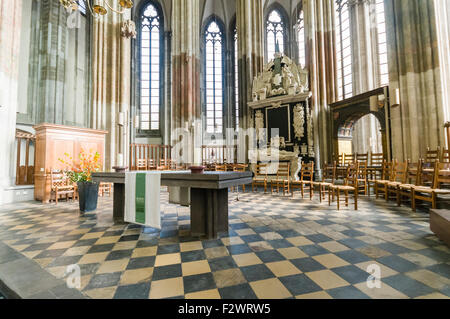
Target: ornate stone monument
{"points": [[282, 117]]}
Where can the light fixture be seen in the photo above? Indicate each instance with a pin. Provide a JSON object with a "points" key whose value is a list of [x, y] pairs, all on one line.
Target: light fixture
{"points": [[98, 8], [395, 99]]}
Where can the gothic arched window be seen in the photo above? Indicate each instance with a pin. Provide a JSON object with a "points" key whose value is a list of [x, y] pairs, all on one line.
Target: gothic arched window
{"points": [[236, 79], [300, 26], [343, 50], [82, 6], [213, 40], [150, 67], [275, 33], [382, 44]]}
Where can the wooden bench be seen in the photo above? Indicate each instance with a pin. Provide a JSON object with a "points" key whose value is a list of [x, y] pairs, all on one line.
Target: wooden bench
{"points": [[440, 224]]}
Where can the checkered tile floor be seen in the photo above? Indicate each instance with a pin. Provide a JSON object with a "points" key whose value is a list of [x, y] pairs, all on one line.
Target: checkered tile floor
{"points": [[276, 247]]}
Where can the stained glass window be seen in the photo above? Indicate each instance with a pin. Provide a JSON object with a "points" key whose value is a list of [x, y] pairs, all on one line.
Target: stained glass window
{"points": [[275, 33], [382, 44], [236, 80], [214, 75], [344, 50], [150, 72], [301, 40]]}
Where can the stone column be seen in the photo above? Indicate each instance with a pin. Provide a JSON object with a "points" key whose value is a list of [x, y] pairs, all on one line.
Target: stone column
{"points": [[321, 62], [10, 27], [364, 66], [442, 10], [111, 65], [415, 69], [186, 106], [52, 62], [250, 38]]}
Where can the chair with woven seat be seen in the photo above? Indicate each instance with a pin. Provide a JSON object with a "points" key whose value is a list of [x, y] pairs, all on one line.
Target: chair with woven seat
{"points": [[339, 159], [141, 164], [164, 165], [260, 177], [105, 189], [240, 168], [374, 172], [350, 185], [152, 164], [61, 185], [221, 168], [399, 175], [445, 157], [282, 179], [432, 156], [381, 184], [412, 180], [364, 157], [362, 179], [441, 184], [329, 175], [349, 159], [306, 178]]}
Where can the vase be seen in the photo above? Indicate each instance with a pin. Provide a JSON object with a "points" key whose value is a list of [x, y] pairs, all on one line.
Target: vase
{"points": [[88, 196], [197, 169]]}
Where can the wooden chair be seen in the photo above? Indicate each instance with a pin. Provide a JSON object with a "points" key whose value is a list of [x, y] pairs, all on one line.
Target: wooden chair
{"points": [[376, 159], [141, 164], [260, 177], [430, 194], [329, 175], [445, 158], [221, 168], [240, 168], [381, 184], [374, 171], [339, 159], [432, 156], [412, 180], [306, 178], [282, 179], [348, 159], [61, 185], [152, 165], [399, 174], [164, 165], [362, 157], [362, 178], [105, 188], [350, 185]]}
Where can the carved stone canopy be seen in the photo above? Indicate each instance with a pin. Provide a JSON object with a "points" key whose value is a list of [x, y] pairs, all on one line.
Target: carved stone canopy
{"points": [[280, 77]]}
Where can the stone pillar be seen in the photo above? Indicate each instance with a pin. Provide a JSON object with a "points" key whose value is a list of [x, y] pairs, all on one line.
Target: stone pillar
{"points": [[321, 62], [250, 38], [186, 105], [52, 62], [415, 69], [442, 10], [10, 27], [111, 71], [364, 66]]}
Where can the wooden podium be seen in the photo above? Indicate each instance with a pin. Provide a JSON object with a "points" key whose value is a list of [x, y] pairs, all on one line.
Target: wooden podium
{"points": [[52, 141]]}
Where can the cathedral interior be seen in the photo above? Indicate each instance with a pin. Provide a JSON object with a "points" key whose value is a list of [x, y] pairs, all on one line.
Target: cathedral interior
{"points": [[321, 130]]}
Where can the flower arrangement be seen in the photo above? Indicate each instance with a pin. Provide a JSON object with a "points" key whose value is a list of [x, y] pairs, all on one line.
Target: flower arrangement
{"points": [[82, 171]]}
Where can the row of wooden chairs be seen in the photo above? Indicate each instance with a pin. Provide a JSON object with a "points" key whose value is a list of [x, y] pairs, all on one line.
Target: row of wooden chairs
{"points": [[61, 186], [376, 159], [152, 165], [432, 156], [414, 181]]}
